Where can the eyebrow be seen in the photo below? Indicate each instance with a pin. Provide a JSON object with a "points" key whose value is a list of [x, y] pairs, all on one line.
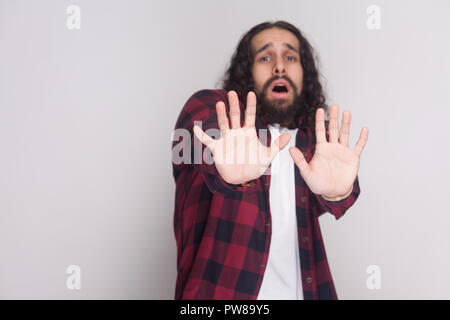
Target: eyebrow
{"points": [[270, 44]]}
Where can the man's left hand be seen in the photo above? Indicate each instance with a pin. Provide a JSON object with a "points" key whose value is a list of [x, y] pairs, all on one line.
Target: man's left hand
{"points": [[334, 166]]}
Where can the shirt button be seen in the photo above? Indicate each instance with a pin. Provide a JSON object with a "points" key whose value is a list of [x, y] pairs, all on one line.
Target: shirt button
{"points": [[308, 280], [305, 239], [268, 225], [262, 265], [304, 154], [303, 199]]}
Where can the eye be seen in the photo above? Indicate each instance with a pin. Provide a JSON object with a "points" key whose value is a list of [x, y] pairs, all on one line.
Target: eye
{"points": [[264, 59], [290, 58]]}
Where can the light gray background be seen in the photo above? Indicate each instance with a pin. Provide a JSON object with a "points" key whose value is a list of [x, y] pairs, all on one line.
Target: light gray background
{"points": [[86, 119]]}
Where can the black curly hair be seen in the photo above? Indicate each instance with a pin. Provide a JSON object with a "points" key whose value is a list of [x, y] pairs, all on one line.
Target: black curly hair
{"points": [[239, 77]]}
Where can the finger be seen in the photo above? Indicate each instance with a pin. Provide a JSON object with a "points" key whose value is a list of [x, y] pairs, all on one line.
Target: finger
{"points": [[362, 141], [250, 111], [333, 127], [299, 160], [235, 112], [320, 126], [204, 138], [345, 128], [222, 119], [279, 145]]}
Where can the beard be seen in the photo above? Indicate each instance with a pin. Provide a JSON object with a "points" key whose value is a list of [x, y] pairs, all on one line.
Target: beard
{"points": [[278, 110]]}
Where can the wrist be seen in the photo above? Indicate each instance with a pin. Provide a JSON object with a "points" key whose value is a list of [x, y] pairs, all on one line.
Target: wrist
{"points": [[338, 198]]}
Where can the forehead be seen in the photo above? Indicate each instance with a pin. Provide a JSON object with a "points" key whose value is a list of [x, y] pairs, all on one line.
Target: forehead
{"points": [[277, 37]]}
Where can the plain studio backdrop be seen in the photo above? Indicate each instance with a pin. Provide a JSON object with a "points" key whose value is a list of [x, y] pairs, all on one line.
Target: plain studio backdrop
{"points": [[86, 117]]}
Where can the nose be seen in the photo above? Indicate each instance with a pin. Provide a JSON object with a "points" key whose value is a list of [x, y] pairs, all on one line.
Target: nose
{"points": [[279, 68]]}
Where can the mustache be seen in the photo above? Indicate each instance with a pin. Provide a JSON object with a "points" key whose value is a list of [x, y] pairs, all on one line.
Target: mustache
{"points": [[274, 78]]}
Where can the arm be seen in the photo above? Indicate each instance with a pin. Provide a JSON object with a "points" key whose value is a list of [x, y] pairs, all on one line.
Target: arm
{"points": [[338, 207], [332, 171], [199, 109]]}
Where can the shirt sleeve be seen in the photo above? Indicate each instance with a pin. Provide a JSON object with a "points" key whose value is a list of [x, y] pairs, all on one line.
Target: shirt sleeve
{"points": [[201, 109], [338, 208]]}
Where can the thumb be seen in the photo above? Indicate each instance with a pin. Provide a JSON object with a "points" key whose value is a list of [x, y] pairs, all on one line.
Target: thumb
{"points": [[203, 137], [299, 160], [279, 144]]}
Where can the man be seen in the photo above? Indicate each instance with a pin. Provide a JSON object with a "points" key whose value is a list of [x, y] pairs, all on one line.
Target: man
{"points": [[242, 231]]}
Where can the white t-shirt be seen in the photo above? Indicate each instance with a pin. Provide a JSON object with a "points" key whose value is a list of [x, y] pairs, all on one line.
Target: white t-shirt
{"points": [[282, 277]]}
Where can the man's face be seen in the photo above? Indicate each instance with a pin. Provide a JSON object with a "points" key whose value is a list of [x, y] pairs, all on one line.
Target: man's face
{"points": [[277, 71]]}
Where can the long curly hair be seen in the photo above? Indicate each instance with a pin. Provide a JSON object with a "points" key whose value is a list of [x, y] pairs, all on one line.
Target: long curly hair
{"points": [[239, 77]]}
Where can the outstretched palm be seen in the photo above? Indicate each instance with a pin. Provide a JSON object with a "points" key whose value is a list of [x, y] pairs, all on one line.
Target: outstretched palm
{"points": [[239, 155], [334, 166]]}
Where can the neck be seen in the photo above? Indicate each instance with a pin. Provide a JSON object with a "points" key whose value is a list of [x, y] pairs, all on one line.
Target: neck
{"points": [[288, 124]]}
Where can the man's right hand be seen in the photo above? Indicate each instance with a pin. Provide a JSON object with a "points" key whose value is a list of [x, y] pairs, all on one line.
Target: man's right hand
{"points": [[239, 155]]}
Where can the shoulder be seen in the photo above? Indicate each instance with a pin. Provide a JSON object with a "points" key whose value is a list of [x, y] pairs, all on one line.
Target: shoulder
{"points": [[207, 96], [201, 105]]}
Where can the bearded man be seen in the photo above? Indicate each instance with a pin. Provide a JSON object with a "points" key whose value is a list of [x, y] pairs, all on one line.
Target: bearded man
{"points": [[246, 223]]}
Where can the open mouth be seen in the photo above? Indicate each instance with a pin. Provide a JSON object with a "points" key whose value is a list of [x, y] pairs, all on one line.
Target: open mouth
{"points": [[280, 89]]}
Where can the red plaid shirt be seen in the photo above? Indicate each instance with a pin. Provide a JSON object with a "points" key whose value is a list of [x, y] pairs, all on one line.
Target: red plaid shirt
{"points": [[223, 231]]}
